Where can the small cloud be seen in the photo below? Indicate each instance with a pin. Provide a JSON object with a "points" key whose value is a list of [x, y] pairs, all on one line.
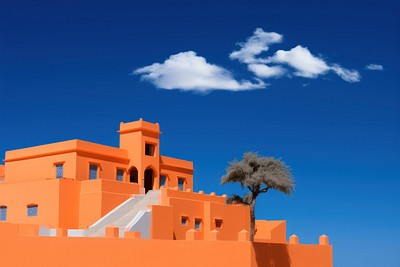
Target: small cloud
{"points": [[189, 72], [350, 76], [256, 44], [304, 63], [264, 71], [374, 67], [306, 84], [301, 59]]}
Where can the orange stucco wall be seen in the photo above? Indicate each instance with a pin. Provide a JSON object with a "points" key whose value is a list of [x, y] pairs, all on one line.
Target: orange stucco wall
{"points": [[21, 246], [206, 208], [40, 167], [63, 202], [174, 169], [2, 170], [289, 255], [270, 231], [58, 251], [98, 197], [43, 193], [38, 163]]}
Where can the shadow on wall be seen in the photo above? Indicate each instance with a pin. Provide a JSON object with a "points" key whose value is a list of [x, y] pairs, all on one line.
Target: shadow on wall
{"points": [[271, 255]]}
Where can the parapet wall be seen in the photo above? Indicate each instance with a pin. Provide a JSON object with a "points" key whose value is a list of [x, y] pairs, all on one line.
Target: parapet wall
{"points": [[181, 211], [20, 245]]}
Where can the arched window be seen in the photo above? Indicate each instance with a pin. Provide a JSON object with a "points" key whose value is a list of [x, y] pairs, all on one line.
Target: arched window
{"points": [[133, 175], [32, 210], [3, 213]]}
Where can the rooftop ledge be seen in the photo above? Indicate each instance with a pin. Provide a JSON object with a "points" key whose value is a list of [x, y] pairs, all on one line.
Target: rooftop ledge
{"points": [[139, 125], [66, 147], [174, 162]]}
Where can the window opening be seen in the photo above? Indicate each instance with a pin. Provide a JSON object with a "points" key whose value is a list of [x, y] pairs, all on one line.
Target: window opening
{"points": [[148, 180], [163, 180], [93, 172], [32, 210], [149, 150], [197, 224], [3, 213], [59, 170], [184, 220], [133, 175], [181, 183], [120, 175], [218, 223]]}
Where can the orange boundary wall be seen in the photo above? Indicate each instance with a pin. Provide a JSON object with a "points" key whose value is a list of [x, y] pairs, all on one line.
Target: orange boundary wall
{"points": [[63, 251], [20, 245]]}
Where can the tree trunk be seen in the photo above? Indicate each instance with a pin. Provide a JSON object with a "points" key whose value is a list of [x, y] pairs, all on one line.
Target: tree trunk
{"points": [[252, 218]]}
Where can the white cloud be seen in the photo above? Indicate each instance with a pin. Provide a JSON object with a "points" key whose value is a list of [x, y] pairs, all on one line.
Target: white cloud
{"points": [[374, 67], [264, 71], [309, 66], [189, 72], [301, 59], [350, 76], [259, 42]]}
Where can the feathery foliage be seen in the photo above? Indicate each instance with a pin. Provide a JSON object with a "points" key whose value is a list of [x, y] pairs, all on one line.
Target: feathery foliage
{"points": [[258, 175]]}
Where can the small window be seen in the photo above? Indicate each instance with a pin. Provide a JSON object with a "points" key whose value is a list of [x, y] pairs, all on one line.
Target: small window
{"points": [[149, 150], [120, 175], [3, 213], [163, 180], [184, 220], [32, 210], [218, 223], [181, 183], [59, 170], [93, 172], [197, 224]]}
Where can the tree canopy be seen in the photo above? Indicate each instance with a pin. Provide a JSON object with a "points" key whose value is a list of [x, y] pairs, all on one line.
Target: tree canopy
{"points": [[258, 174]]}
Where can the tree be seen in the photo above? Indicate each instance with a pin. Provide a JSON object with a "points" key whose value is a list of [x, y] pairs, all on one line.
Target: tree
{"points": [[257, 174]]}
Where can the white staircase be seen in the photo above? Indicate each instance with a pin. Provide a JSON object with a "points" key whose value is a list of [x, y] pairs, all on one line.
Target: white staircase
{"points": [[132, 215]]}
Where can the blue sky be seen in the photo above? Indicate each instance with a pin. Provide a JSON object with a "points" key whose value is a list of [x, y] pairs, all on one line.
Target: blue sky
{"points": [[288, 79]]}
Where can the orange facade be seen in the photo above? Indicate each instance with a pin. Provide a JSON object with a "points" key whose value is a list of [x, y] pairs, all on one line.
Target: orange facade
{"points": [[52, 194], [83, 181]]}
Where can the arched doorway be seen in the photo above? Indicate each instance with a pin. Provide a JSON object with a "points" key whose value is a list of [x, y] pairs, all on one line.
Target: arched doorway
{"points": [[133, 175], [148, 180]]}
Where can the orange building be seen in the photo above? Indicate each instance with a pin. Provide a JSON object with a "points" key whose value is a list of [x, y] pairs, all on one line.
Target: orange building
{"points": [[65, 197]]}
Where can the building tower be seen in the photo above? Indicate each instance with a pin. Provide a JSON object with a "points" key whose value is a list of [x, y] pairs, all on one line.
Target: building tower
{"points": [[142, 141]]}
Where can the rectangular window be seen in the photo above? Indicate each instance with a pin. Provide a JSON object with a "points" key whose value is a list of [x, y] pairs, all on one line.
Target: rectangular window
{"points": [[93, 172], [149, 150], [3, 213], [181, 184], [197, 224], [163, 180], [32, 210], [218, 223], [184, 220], [120, 175], [59, 170]]}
